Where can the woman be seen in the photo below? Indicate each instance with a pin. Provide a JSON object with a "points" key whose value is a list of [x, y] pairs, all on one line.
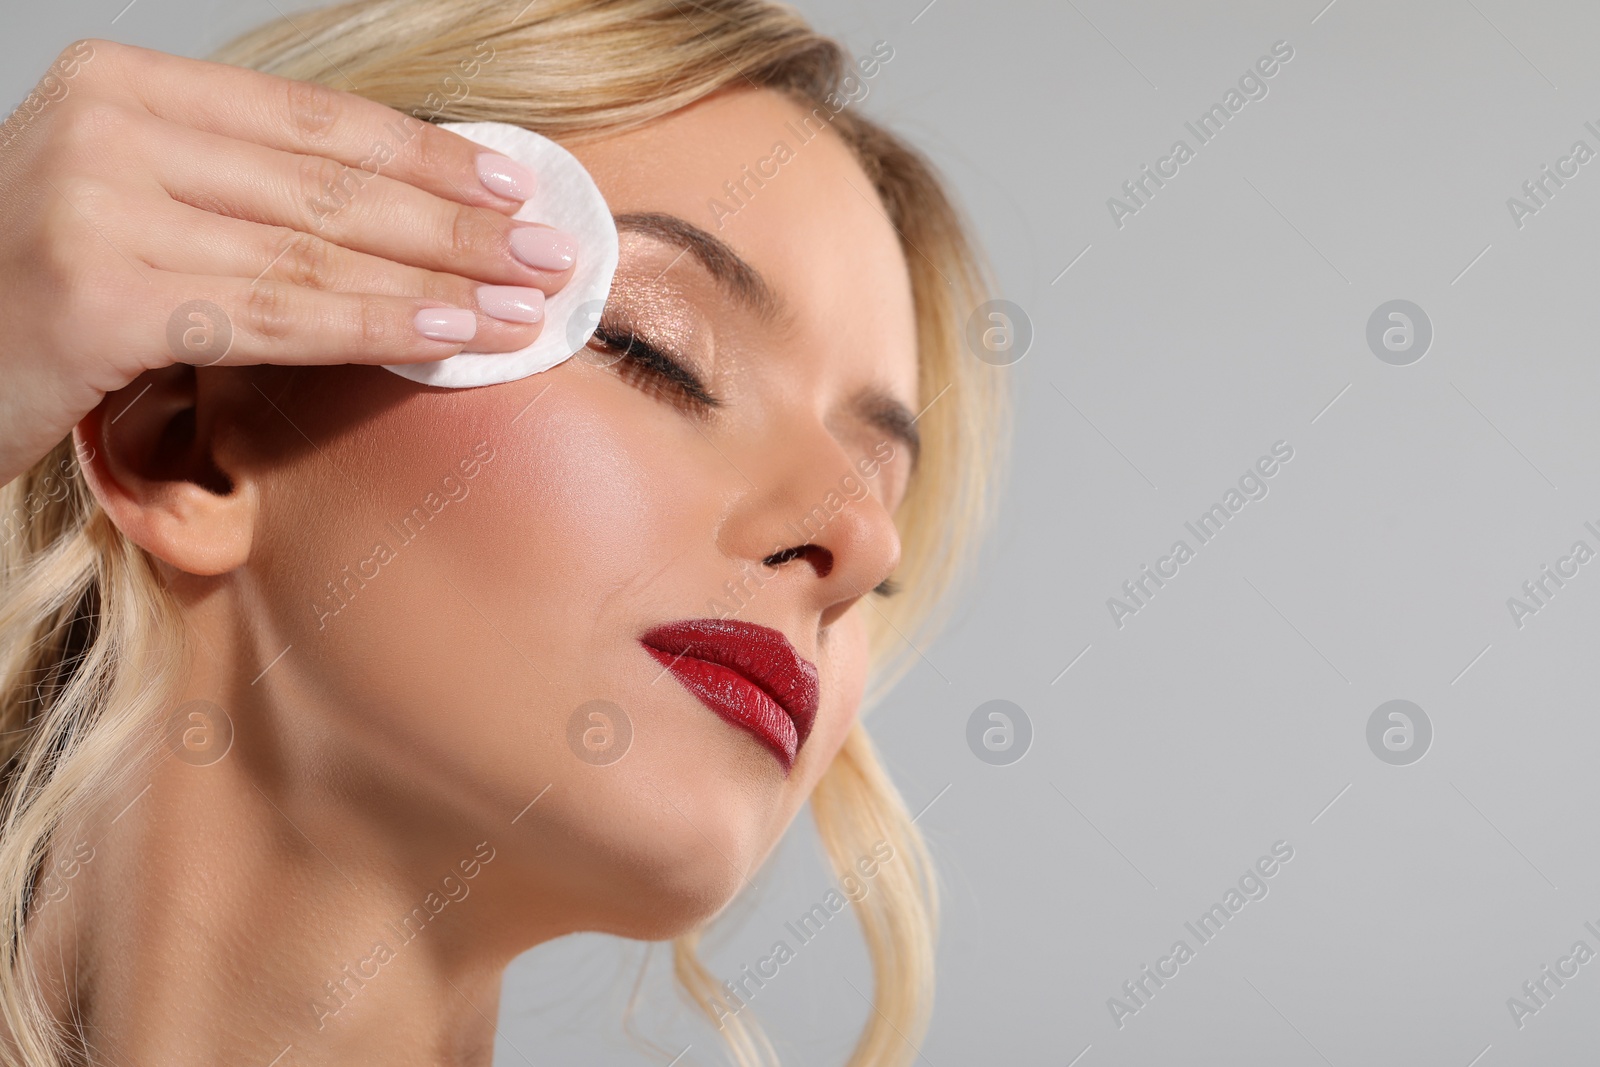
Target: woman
{"points": [[326, 694]]}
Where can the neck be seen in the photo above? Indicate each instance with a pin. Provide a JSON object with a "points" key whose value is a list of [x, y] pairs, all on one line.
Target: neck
{"points": [[217, 914]]}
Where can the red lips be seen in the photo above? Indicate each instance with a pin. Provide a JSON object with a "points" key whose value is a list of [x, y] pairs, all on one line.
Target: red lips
{"points": [[748, 674]]}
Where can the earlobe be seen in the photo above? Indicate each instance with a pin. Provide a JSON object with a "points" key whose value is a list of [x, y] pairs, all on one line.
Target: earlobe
{"points": [[150, 456]]}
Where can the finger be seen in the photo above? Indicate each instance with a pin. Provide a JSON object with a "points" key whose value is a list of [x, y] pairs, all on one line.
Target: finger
{"points": [[207, 320], [304, 117], [365, 211], [509, 316]]}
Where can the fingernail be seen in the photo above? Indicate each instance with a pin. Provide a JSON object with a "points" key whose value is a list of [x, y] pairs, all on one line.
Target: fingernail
{"points": [[513, 303], [544, 248], [505, 177], [447, 324]]}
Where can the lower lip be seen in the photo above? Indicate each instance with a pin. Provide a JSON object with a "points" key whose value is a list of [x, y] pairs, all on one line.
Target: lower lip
{"points": [[737, 699]]}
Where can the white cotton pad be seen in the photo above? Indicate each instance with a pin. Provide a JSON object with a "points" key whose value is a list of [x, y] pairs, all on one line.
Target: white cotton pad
{"points": [[564, 197]]}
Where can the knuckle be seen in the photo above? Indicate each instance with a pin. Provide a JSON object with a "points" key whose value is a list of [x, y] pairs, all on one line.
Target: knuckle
{"points": [[322, 183], [307, 261], [82, 199], [78, 47], [466, 235], [449, 289], [87, 124], [267, 311], [374, 323], [102, 116], [84, 49], [435, 150], [312, 109]]}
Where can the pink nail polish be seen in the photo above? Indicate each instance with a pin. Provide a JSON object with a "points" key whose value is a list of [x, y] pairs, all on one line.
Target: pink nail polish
{"points": [[447, 324], [505, 177], [512, 303], [544, 248]]}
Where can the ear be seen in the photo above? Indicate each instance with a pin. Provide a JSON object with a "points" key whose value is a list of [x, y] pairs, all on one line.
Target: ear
{"points": [[158, 471]]}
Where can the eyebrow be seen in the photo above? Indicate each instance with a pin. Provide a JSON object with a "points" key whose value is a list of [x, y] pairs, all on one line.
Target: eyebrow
{"points": [[892, 417], [873, 406]]}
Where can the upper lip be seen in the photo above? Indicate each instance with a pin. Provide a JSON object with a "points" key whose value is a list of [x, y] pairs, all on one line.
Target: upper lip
{"points": [[761, 654]]}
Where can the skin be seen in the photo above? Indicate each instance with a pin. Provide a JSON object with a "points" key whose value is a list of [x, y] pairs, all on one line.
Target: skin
{"points": [[399, 734]]}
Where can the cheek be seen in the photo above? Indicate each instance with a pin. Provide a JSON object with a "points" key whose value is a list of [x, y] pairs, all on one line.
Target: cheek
{"points": [[574, 510], [454, 656]]}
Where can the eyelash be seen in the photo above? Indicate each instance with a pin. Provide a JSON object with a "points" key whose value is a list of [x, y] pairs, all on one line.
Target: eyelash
{"points": [[887, 587], [655, 371]]}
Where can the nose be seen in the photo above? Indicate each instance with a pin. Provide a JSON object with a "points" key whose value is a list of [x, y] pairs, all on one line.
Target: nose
{"points": [[816, 526]]}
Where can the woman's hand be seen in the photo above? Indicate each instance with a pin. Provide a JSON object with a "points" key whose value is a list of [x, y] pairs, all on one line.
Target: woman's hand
{"points": [[158, 210]]}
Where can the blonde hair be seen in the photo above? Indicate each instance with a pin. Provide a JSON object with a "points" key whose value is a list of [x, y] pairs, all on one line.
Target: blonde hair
{"points": [[91, 646]]}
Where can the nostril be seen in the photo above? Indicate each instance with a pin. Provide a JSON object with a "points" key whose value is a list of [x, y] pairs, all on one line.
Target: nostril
{"points": [[821, 559]]}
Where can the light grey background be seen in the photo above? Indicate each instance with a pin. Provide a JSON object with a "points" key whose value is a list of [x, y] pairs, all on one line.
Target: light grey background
{"points": [[1228, 314]]}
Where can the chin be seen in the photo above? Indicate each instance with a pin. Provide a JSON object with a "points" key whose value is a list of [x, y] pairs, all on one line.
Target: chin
{"points": [[665, 901], [658, 843], [660, 888]]}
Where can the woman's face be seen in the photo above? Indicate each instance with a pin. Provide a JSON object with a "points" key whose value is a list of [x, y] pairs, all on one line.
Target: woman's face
{"points": [[463, 577]]}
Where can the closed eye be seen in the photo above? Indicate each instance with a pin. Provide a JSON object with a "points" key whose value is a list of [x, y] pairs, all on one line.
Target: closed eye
{"points": [[652, 369]]}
